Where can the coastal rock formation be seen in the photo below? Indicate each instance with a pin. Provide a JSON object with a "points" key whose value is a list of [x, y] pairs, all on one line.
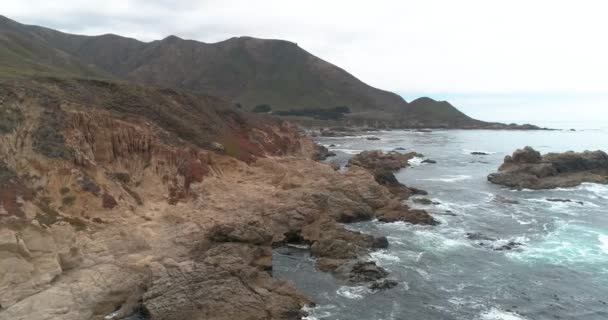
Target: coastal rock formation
{"points": [[118, 199], [527, 168], [380, 161], [383, 165]]}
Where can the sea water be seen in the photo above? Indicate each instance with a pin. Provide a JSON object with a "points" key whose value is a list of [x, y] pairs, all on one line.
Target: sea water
{"points": [[560, 271]]}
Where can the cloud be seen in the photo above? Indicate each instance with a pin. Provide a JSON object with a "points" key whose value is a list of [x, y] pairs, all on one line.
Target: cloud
{"points": [[476, 46]]}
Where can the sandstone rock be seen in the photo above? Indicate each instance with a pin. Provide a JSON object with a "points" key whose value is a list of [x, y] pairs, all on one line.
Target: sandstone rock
{"points": [[400, 212], [252, 233], [526, 168], [378, 160]]}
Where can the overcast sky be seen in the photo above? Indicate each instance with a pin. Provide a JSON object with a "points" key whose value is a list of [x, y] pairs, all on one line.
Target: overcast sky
{"points": [[527, 60]]}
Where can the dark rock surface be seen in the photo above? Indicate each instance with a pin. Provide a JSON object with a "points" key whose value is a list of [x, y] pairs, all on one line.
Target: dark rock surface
{"points": [[322, 153], [527, 168], [564, 200]]}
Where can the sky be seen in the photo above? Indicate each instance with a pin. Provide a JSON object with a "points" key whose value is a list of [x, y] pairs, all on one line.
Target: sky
{"points": [[533, 60]]}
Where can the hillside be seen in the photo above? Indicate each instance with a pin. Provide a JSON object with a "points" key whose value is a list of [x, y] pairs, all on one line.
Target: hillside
{"points": [[247, 71]]}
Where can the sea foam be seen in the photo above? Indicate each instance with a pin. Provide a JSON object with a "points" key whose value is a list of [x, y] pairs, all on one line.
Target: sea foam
{"points": [[497, 314], [449, 178], [355, 293], [603, 243]]}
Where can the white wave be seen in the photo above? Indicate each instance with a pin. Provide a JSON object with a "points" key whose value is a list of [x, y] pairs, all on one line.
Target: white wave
{"points": [[382, 256], [568, 243], [604, 242], [415, 161], [354, 293], [449, 178], [319, 312], [497, 314], [524, 222], [348, 151], [600, 190], [424, 274]]}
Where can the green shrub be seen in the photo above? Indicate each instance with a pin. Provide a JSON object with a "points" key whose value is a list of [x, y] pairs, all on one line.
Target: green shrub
{"points": [[10, 119], [121, 177], [261, 108], [68, 201], [48, 139]]}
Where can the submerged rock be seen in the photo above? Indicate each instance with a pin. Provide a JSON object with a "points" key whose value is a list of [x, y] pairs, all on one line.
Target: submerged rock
{"points": [[372, 138], [384, 284], [508, 246], [505, 200], [429, 161], [425, 201], [564, 200], [527, 168], [479, 153], [479, 236]]}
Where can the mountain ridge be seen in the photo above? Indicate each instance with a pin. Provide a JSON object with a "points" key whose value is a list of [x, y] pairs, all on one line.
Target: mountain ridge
{"points": [[247, 71]]}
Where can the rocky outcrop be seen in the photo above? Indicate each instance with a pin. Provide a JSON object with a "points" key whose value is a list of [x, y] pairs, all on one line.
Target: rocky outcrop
{"points": [[322, 153], [527, 168], [383, 165], [381, 161]]}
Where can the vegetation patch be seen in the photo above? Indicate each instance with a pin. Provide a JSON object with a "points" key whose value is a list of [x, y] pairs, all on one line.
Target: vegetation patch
{"points": [[64, 190], [335, 113], [68, 201], [121, 177], [50, 216], [134, 195], [6, 174], [261, 108], [10, 119], [88, 185], [48, 139]]}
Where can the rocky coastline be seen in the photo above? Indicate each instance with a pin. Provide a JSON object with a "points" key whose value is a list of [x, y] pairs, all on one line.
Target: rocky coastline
{"points": [[114, 212], [528, 169]]}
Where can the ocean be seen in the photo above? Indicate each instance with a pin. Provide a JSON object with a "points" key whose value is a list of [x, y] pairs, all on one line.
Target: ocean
{"points": [[559, 270]]}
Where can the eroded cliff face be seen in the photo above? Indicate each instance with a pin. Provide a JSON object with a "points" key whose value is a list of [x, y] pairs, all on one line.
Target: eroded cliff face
{"points": [[116, 199]]}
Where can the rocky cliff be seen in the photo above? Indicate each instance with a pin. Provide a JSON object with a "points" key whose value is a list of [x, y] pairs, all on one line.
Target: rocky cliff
{"points": [[119, 199]]}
